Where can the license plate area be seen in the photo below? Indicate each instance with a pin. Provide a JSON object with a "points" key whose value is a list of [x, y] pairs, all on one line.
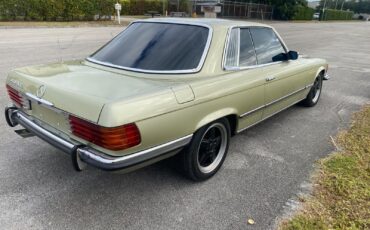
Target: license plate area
{"points": [[55, 118]]}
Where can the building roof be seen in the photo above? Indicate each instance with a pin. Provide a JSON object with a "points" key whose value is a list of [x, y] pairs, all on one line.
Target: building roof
{"points": [[313, 4]]}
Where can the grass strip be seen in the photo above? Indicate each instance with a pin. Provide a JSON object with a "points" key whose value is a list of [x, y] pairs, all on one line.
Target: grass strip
{"points": [[341, 184]]}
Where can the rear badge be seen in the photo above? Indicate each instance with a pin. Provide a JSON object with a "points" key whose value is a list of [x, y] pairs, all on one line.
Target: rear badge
{"points": [[40, 91]]}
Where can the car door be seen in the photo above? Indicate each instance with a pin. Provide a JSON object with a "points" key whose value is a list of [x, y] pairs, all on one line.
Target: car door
{"points": [[240, 60], [284, 80]]}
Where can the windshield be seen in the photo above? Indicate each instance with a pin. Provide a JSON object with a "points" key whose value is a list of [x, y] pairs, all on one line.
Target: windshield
{"points": [[156, 47]]}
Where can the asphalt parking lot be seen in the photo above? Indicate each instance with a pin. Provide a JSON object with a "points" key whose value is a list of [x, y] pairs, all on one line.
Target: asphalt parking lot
{"points": [[267, 166]]}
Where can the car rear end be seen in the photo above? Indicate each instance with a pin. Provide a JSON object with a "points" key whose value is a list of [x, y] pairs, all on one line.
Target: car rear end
{"points": [[69, 119], [106, 111]]}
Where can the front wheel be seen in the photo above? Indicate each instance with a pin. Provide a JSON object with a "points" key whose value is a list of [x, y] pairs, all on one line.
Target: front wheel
{"points": [[207, 150], [315, 93]]}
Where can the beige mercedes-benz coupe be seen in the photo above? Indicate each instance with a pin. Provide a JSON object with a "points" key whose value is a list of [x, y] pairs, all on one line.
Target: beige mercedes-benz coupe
{"points": [[163, 87]]}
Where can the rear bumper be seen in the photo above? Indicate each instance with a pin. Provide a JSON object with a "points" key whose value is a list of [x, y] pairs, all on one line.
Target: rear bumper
{"points": [[90, 155]]}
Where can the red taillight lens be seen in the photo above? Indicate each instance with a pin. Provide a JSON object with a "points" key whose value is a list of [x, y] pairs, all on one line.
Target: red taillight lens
{"points": [[116, 138], [15, 96]]}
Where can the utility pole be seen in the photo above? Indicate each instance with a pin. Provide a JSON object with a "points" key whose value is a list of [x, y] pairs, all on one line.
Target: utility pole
{"points": [[342, 5], [163, 7], [323, 11], [178, 5]]}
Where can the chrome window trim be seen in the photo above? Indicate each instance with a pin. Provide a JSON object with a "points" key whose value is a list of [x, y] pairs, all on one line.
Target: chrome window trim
{"points": [[238, 48], [195, 70], [237, 68], [226, 47], [275, 101]]}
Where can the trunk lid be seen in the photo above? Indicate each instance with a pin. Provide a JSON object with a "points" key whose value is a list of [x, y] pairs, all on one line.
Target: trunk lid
{"points": [[80, 89]]}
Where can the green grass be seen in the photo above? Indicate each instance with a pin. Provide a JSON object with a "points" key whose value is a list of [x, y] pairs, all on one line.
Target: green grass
{"points": [[341, 194]]}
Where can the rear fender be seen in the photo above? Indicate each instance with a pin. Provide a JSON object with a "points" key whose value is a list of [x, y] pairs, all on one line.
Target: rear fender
{"points": [[215, 116]]}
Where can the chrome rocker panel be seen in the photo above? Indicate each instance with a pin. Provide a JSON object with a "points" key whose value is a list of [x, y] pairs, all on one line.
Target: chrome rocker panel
{"points": [[89, 155]]}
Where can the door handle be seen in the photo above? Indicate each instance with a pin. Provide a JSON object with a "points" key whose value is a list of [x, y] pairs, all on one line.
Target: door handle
{"points": [[270, 78]]}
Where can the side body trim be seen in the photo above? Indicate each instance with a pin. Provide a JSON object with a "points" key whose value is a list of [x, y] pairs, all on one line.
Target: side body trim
{"points": [[275, 101], [241, 130]]}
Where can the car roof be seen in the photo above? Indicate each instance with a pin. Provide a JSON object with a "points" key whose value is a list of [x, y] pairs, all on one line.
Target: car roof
{"points": [[212, 22]]}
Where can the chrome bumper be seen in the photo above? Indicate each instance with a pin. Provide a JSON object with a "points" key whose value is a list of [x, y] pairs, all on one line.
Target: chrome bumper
{"points": [[89, 155]]}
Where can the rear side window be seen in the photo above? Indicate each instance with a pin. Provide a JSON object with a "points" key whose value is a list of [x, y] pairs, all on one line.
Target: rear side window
{"points": [[267, 44], [232, 53], [247, 53], [240, 50]]}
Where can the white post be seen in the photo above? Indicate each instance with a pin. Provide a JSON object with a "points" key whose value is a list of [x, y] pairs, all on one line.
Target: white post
{"points": [[119, 17], [118, 8]]}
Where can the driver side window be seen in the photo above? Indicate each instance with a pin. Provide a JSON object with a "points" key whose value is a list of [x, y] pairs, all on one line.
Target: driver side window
{"points": [[253, 46], [267, 45]]}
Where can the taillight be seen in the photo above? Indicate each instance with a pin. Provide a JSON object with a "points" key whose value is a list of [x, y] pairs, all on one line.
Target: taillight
{"points": [[15, 96], [116, 138]]}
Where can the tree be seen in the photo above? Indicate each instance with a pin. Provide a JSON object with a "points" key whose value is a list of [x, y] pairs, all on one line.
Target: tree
{"points": [[286, 9], [361, 6]]}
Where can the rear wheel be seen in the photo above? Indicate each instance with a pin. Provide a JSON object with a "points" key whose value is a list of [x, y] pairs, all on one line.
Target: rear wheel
{"points": [[315, 93], [207, 150]]}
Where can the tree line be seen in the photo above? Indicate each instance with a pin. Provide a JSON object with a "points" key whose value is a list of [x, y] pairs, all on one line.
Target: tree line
{"points": [[67, 10], [357, 6]]}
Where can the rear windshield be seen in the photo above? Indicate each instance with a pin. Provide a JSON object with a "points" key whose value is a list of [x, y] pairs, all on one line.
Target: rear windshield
{"points": [[148, 46]]}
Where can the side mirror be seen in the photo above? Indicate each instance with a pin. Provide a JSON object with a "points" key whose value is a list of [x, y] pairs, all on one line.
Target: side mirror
{"points": [[280, 57], [293, 55]]}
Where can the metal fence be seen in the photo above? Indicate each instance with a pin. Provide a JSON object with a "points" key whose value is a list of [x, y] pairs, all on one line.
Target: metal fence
{"points": [[235, 9]]}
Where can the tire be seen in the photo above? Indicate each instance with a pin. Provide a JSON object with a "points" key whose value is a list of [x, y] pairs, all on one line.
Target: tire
{"points": [[207, 151], [314, 94]]}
